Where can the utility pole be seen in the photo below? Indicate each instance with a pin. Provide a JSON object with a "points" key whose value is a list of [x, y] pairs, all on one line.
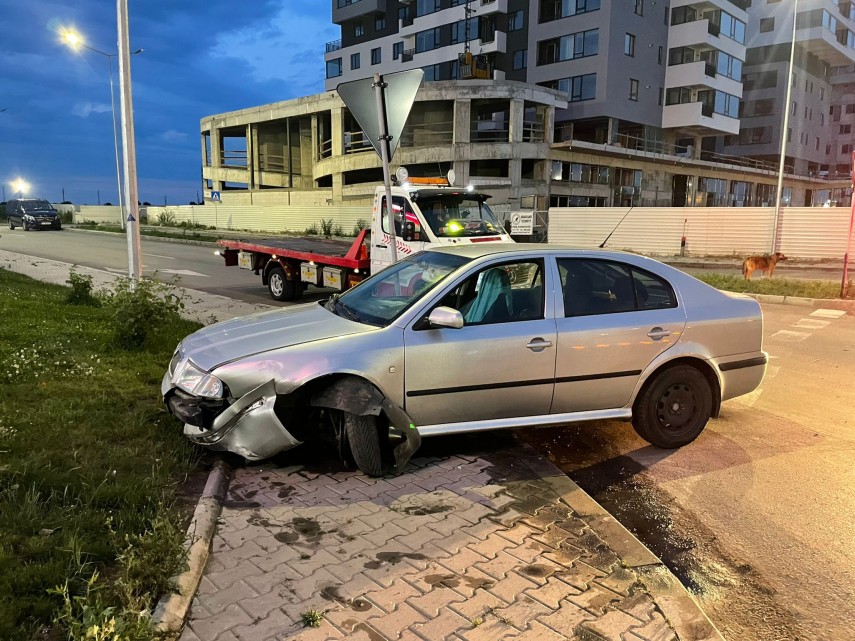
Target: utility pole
{"points": [[128, 144], [97, 191], [63, 194]]}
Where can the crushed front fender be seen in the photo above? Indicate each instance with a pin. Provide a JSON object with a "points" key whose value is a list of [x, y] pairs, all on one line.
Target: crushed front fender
{"points": [[249, 427]]}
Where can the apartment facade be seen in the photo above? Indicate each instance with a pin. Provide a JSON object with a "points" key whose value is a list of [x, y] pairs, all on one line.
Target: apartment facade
{"points": [[686, 78]]}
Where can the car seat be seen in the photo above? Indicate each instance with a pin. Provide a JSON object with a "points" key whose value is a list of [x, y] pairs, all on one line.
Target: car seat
{"points": [[493, 304]]}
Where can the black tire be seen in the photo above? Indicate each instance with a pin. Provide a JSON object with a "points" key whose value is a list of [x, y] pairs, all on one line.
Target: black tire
{"points": [[673, 408], [11, 224], [364, 439], [25, 225], [279, 286]]}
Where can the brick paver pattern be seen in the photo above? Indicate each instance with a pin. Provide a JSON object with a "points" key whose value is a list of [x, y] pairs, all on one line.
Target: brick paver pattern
{"points": [[464, 548]]}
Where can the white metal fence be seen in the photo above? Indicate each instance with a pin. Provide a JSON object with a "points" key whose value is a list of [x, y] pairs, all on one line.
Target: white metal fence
{"points": [[803, 232]]}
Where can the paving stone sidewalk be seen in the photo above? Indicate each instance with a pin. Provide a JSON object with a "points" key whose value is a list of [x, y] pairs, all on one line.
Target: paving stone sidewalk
{"points": [[499, 545]]}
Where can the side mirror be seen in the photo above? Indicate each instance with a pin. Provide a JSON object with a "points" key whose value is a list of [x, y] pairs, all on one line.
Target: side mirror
{"points": [[410, 233], [446, 317]]}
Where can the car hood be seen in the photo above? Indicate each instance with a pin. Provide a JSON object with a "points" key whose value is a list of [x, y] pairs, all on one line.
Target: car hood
{"points": [[238, 338], [41, 212]]}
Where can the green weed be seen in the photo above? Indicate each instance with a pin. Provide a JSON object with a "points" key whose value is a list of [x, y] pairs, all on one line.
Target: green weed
{"points": [[774, 286]]}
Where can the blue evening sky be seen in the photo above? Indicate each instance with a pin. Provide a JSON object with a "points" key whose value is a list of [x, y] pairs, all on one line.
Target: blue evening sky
{"points": [[201, 57]]}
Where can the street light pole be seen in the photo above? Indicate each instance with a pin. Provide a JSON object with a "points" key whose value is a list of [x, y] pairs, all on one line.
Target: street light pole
{"points": [[128, 144], [784, 128]]}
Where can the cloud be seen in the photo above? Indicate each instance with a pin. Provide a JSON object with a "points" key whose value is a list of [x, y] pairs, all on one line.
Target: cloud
{"points": [[173, 135], [84, 109]]}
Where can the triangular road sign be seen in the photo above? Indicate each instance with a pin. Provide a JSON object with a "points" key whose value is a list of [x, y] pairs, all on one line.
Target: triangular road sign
{"points": [[360, 98]]}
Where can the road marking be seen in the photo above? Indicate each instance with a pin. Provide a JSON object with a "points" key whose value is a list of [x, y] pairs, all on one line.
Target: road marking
{"points": [[182, 272], [790, 337], [828, 313], [159, 256], [809, 323]]}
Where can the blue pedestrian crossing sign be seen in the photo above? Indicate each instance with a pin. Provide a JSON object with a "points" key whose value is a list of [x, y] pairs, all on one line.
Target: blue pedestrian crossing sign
{"points": [[215, 196], [131, 218]]}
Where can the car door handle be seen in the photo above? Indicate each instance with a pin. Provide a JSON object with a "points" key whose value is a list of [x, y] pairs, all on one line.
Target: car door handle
{"points": [[657, 333], [538, 344]]}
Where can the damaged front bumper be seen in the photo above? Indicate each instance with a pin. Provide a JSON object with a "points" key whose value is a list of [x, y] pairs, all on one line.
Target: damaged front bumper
{"points": [[248, 427]]}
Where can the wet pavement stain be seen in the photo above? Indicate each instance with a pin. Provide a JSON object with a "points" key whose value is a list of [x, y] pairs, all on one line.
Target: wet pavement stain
{"points": [[287, 537], [360, 626], [256, 519], [443, 580], [424, 510], [331, 593], [393, 558], [309, 529], [539, 570]]}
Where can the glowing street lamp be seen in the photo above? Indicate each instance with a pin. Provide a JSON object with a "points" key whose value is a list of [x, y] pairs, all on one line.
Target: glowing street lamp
{"points": [[20, 186], [74, 40]]}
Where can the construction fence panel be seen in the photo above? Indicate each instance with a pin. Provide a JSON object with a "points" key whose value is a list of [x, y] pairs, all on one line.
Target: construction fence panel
{"points": [[804, 232]]}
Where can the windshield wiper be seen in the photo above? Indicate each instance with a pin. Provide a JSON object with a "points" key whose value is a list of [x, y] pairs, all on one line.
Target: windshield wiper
{"points": [[352, 315]]}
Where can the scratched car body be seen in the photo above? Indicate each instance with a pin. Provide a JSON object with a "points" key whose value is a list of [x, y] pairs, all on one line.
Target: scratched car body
{"points": [[468, 339]]}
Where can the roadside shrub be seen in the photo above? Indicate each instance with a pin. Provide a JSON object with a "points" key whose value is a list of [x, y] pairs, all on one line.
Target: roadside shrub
{"points": [[166, 218], [359, 226], [327, 226], [338, 231], [312, 230], [67, 217], [140, 309], [81, 292]]}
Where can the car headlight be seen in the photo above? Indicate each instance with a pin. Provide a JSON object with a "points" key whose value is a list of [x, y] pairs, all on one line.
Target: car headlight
{"points": [[28, 217], [194, 381]]}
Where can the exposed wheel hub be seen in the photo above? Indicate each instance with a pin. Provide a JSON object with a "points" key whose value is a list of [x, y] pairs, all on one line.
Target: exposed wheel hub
{"points": [[676, 406]]}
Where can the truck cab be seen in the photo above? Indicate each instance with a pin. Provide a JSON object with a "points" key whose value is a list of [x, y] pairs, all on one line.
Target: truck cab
{"points": [[429, 211]]}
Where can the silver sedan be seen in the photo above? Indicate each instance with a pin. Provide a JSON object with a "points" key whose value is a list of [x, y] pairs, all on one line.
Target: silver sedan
{"points": [[464, 339]]}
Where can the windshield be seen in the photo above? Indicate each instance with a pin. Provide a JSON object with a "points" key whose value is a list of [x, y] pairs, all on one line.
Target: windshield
{"points": [[382, 298], [459, 216], [36, 205]]}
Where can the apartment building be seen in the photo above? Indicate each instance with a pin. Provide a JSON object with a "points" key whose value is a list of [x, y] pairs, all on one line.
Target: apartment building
{"points": [[580, 102]]}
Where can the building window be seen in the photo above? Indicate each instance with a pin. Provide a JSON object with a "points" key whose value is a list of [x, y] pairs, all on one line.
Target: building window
{"points": [[827, 150], [633, 89], [334, 68], [379, 23], [846, 129], [427, 40], [659, 56], [817, 143], [432, 72], [570, 47], [354, 61], [793, 108], [789, 134], [424, 7], [629, 45], [846, 149], [639, 7], [556, 9], [375, 56], [458, 30], [515, 20], [397, 50], [821, 119], [358, 30], [577, 88], [850, 108], [521, 59], [767, 25]]}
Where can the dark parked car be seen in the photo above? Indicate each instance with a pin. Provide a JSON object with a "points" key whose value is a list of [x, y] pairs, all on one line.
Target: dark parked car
{"points": [[32, 213]]}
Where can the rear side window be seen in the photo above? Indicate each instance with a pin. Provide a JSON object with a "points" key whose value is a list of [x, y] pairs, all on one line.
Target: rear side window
{"points": [[608, 287]]}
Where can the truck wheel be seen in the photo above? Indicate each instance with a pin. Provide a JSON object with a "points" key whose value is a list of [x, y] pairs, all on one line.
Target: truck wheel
{"points": [[364, 442], [674, 408], [279, 286], [11, 224]]}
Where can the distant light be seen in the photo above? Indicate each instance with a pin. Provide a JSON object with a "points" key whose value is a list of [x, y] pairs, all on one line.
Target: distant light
{"points": [[402, 174], [20, 185], [71, 38], [406, 185], [217, 253], [454, 227], [470, 187]]}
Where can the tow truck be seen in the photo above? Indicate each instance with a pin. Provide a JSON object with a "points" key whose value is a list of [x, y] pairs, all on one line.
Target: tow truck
{"points": [[427, 212]]}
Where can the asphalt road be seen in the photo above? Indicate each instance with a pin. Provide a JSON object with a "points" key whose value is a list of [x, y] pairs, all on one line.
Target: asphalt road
{"points": [[757, 516]]}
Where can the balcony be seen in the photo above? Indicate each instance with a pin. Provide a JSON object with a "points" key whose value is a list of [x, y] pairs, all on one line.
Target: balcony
{"points": [[700, 74], [407, 55], [333, 45], [700, 32], [344, 10], [698, 117]]}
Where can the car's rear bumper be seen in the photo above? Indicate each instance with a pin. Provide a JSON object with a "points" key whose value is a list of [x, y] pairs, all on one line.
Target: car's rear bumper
{"points": [[741, 374]]}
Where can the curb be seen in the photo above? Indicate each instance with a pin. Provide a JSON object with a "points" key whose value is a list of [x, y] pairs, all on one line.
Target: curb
{"points": [[676, 603], [815, 303], [171, 610]]}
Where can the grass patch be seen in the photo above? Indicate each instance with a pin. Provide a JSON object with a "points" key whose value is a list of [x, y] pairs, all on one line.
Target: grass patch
{"points": [[776, 286], [89, 464]]}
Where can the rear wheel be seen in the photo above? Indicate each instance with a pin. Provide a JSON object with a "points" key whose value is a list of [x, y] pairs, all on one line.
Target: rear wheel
{"points": [[11, 224], [364, 439], [279, 286], [674, 408], [25, 225]]}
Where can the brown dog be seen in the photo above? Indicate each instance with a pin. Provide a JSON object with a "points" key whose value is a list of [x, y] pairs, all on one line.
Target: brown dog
{"points": [[763, 263]]}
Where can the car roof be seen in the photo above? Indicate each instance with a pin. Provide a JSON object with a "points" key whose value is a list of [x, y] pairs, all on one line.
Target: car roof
{"points": [[481, 249]]}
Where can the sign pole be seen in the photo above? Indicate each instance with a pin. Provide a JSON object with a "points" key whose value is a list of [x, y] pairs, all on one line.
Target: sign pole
{"points": [[379, 92], [849, 235]]}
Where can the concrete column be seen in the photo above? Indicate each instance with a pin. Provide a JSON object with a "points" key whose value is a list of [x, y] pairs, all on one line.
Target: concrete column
{"points": [[255, 158], [696, 151], [307, 154], [315, 141], [549, 125], [216, 157], [462, 120], [517, 117], [515, 175], [613, 129], [337, 114]]}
